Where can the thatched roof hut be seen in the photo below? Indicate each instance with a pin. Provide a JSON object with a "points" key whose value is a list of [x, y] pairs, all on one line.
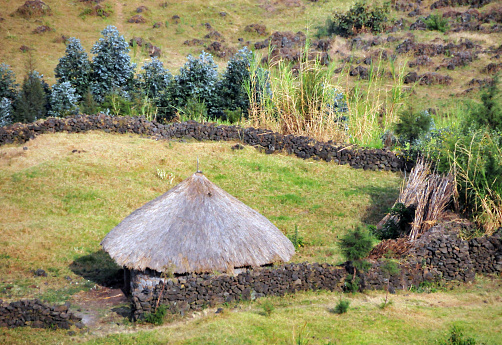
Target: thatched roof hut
{"points": [[196, 227]]}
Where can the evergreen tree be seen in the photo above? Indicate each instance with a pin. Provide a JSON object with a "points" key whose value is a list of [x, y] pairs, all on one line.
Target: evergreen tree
{"points": [[231, 91], [74, 67], [8, 93], [31, 103], [112, 69], [63, 100], [154, 79], [8, 86], [196, 82], [5, 112]]}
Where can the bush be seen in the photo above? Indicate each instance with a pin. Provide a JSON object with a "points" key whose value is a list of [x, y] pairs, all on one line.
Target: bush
{"points": [[31, 103], [356, 244], [8, 86], [64, 100], [437, 22], [112, 69], [352, 283], [357, 19], [231, 88], [457, 338], [154, 79], [488, 114], [157, 317], [5, 112], [412, 126], [197, 80], [74, 67], [342, 306]]}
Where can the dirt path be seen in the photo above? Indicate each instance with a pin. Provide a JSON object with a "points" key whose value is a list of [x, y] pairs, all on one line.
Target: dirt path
{"points": [[120, 16]]}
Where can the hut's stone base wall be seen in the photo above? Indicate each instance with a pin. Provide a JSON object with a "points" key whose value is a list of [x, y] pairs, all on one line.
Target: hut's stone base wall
{"points": [[265, 140], [36, 314], [437, 255]]}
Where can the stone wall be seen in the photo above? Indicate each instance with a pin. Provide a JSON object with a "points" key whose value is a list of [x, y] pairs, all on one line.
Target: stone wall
{"points": [[266, 140], [438, 254], [36, 314]]}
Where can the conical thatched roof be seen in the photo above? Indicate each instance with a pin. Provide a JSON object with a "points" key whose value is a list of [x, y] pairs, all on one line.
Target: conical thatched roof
{"points": [[196, 227]]}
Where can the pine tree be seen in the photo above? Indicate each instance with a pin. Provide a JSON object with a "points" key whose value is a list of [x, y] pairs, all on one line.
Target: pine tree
{"points": [[154, 79], [8, 93], [8, 86], [112, 69], [74, 67], [196, 82], [63, 100], [32, 99], [231, 91], [5, 111]]}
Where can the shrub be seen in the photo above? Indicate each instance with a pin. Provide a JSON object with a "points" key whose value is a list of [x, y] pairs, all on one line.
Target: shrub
{"points": [[31, 103], [5, 112], [74, 67], [356, 244], [352, 283], [157, 317], [231, 88], [154, 78], [197, 80], [112, 69], [342, 306], [412, 126], [437, 22], [457, 338], [64, 100], [358, 18], [8, 86], [488, 114]]}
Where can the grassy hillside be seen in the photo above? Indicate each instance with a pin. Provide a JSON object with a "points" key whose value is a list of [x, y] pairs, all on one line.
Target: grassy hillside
{"points": [[64, 193], [229, 18]]}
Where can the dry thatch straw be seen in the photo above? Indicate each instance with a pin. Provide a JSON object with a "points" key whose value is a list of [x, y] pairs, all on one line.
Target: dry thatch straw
{"points": [[196, 227], [429, 193]]}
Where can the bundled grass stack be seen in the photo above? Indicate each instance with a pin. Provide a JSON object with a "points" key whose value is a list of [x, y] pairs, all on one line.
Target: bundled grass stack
{"points": [[196, 227], [429, 193]]}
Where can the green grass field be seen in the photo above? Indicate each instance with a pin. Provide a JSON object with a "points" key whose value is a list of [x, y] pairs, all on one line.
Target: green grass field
{"points": [[66, 191]]}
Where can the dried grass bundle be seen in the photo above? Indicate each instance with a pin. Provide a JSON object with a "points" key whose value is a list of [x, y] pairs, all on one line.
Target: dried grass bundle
{"points": [[429, 193]]}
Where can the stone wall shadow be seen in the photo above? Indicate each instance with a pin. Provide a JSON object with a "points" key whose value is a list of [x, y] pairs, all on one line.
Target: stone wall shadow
{"points": [[99, 268]]}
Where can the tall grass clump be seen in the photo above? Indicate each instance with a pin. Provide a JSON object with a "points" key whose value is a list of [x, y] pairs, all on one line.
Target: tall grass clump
{"points": [[302, 99], [374, 105], [472, 151]]}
